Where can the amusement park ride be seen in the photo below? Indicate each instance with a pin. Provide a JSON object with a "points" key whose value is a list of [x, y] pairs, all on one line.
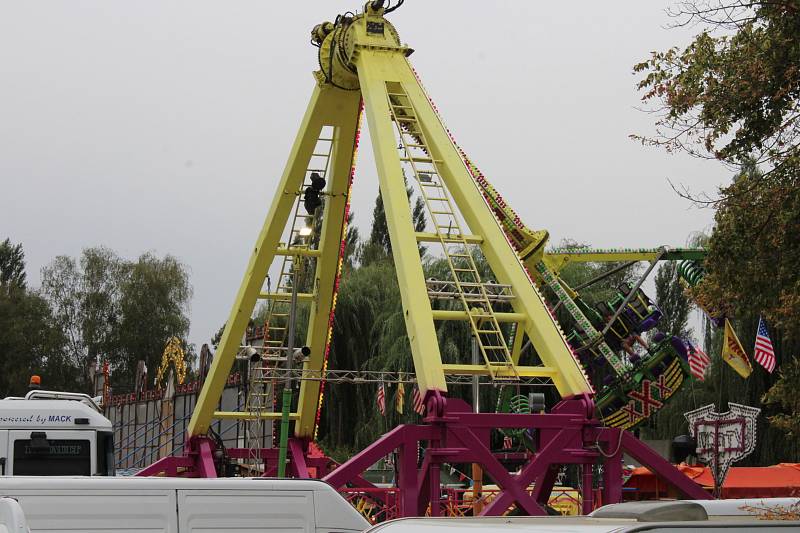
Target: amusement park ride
{"points": [[509, 312]]}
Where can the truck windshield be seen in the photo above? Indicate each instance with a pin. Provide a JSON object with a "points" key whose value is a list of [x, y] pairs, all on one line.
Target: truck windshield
{"points": [[55, 457]]}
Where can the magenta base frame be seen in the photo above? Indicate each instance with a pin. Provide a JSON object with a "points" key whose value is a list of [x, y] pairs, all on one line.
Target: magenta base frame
{"points": [[569, 435]]}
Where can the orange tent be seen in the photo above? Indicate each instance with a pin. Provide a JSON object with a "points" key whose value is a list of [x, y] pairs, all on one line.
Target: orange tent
{"points": [[781, 480]]}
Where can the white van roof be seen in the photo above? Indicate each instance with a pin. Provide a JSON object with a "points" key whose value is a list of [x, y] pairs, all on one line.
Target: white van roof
{"points": [[745, 506], [568, 524], [50, 414], [503, 524], [681, 514], [8, 484], [330, 507]]}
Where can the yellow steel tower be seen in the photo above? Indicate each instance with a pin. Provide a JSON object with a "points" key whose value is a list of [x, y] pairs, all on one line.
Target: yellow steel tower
{"points": [[364, 66]]}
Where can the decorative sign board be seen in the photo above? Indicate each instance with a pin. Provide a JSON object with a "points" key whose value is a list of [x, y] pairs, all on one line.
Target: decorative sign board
{"points": [[723, 438]]}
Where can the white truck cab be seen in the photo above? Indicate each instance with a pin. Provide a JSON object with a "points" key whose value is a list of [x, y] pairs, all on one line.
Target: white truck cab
{"points": [[50, 433]]}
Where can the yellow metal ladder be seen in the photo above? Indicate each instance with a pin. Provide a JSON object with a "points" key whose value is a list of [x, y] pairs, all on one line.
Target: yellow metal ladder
{"points": [[467, 284], [262, 383]]}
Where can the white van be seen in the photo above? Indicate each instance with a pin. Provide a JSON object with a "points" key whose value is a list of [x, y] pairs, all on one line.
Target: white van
{"points": [[181, 505], [50, 433]]}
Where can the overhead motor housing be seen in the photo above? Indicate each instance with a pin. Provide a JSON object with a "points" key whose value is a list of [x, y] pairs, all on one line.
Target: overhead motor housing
{"points": [[337, 42]]}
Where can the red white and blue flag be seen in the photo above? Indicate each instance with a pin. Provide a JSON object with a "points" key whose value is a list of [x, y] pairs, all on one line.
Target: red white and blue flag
{"points": [[381, 400], [416, 399], [698, 362], [764, 353]]}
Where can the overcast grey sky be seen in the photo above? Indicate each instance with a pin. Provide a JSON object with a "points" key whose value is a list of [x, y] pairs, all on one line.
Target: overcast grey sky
{"points": [[163, 125]]}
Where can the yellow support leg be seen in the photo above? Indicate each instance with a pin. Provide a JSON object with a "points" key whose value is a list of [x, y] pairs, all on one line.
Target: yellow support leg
{"points": [[345, 115], [327, 105], [416, 306]]}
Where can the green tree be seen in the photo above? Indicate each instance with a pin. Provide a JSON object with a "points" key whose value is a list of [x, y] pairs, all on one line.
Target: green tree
{"points": [[379, 245], [85, 298], [115, 308], [154, 302], [30, 341], [734, 96], [673, 301], [12, 265], [732, 93], [786, 396]]}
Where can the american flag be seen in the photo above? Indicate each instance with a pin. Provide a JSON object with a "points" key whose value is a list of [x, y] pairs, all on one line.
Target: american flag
{"points": [[764, 352], [508, 443], [416, 399], [698, 362], [381, 400]]}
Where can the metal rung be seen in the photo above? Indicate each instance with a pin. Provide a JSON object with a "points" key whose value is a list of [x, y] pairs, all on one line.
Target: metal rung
{"points": [[421, 160], [405, 119]]}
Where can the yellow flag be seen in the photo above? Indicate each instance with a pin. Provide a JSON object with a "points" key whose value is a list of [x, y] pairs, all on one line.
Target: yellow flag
{"points": [[733, 353], [400, 396]]}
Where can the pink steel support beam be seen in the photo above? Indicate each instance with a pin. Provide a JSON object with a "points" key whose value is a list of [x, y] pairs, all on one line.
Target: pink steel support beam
{"points": [[587, 488], [298, 459], [543, 485], [512, 489], [662, 468], [168, 466], [612, 472], [537, 467], [567, 435], [372, 453], [205, 462]]}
